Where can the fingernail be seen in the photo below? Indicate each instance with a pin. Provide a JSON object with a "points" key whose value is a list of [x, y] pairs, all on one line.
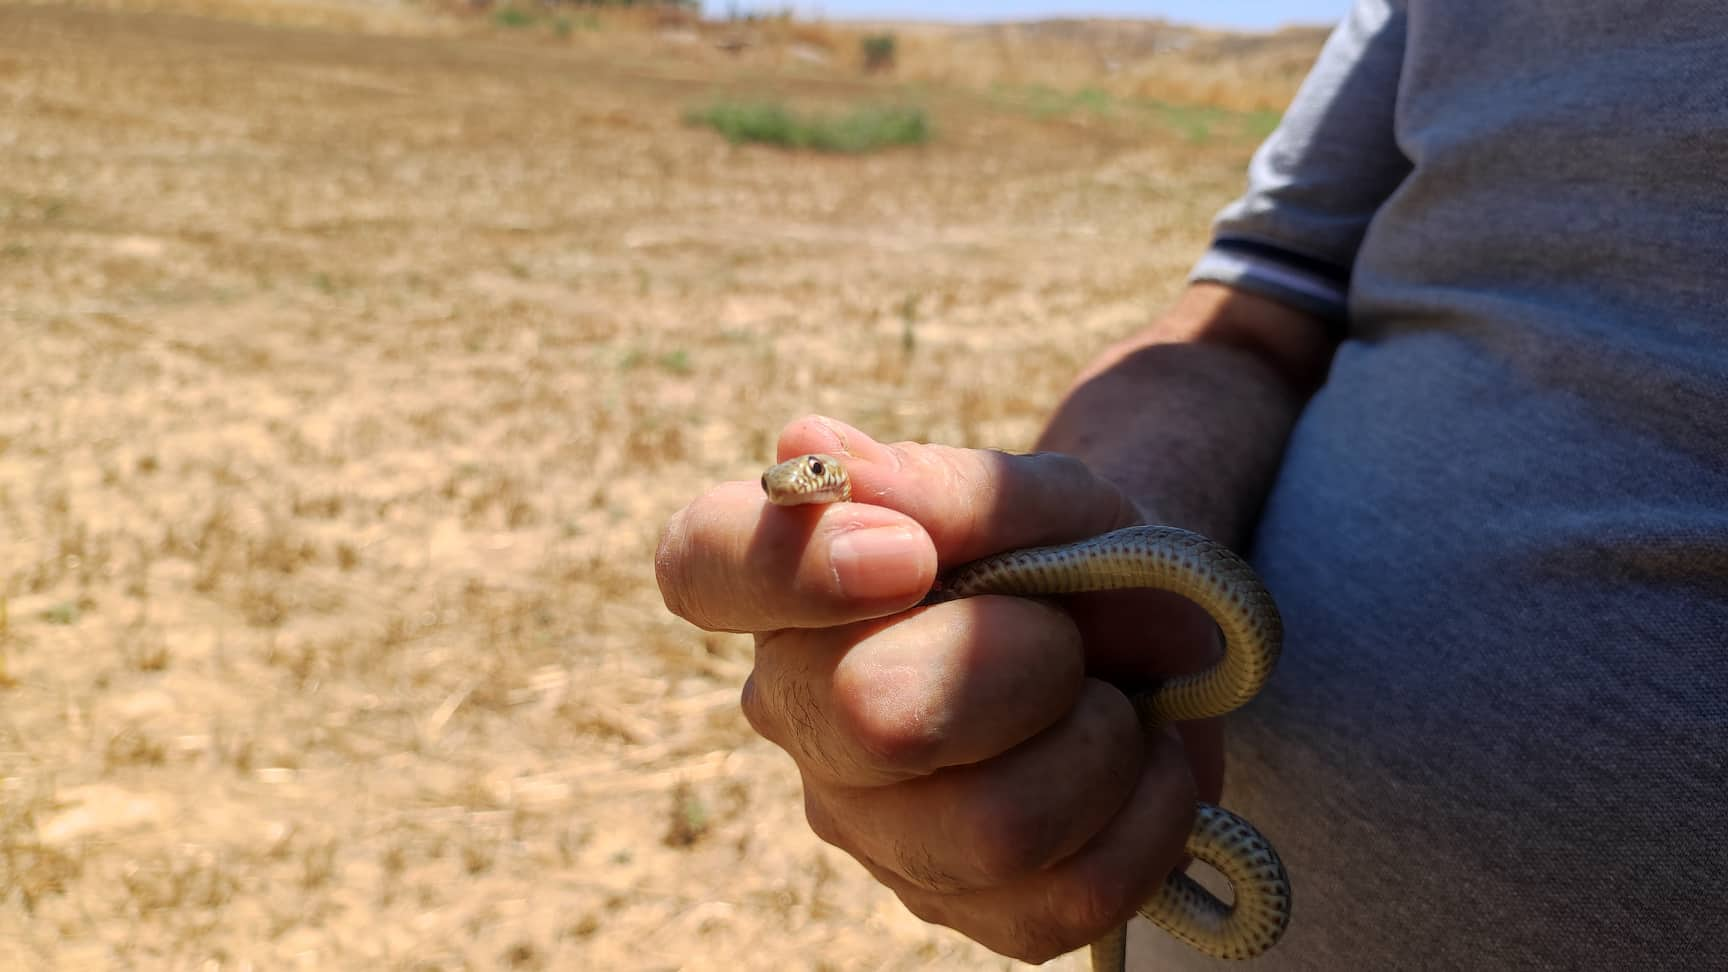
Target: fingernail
{"points": [[878, 562]]}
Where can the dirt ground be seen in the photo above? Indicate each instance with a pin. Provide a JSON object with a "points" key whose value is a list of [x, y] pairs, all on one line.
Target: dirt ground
{"points": [[347, 374]]}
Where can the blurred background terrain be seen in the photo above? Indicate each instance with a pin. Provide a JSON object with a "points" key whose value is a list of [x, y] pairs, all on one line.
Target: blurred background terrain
{"points": [[354, 353]]}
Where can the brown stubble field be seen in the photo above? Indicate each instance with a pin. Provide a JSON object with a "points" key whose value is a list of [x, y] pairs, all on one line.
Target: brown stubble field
{"points": [[348, 372]]}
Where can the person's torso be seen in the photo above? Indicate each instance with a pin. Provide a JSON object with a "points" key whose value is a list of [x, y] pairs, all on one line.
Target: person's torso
{"points": [[1499, 734]]}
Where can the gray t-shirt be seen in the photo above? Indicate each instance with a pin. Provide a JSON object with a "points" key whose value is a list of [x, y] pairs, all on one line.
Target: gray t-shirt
{"points": [[1498, 738]]}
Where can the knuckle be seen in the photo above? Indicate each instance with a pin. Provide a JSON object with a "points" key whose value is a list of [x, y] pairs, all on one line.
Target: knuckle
{"points": [[756, 710], [1084, 905], [1104, 720], [1035, 942], [917, 864], [896, 726], [1022, 933], [780, 703], [1060, 474], [1026, 827], [821, 820], [900, 746], [804, 731], [1009, 838], [932, 908], [1167, 761]]}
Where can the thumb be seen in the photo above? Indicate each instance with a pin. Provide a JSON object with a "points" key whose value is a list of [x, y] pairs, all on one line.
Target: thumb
{"points": [[972, 502]]}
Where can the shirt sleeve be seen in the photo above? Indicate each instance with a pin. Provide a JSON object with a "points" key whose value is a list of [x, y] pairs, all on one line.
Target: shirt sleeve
{"points": [[1317, 181]]}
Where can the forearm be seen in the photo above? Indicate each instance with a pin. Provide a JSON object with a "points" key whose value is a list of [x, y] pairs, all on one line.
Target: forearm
{"points": [[1190, 416]]}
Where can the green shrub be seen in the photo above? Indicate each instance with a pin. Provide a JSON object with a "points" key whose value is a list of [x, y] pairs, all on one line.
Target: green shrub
{"points": [[859, 131], [879, 52]]}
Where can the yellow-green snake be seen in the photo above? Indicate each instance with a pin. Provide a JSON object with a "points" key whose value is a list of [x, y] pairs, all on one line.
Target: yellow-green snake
{"points": [[1207, 573]]}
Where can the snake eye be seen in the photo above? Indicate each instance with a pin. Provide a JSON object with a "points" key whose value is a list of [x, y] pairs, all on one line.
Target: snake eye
{"points": [[816, 467]]}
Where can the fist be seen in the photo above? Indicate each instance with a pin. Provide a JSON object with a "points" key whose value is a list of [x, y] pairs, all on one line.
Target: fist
{"points": [[970, 755]]}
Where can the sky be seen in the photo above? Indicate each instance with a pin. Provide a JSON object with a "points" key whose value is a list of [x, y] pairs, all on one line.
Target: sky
{"points": [[1244, 14]]}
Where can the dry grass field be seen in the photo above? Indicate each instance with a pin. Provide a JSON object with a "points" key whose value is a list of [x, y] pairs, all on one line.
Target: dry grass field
{"points": [[352, 358]]}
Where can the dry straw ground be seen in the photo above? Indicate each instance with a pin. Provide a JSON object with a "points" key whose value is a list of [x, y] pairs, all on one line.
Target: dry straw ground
{"points": [[352, 358]]}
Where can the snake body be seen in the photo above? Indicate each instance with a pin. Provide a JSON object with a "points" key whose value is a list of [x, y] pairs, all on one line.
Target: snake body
{"points": [[1205, 572]]}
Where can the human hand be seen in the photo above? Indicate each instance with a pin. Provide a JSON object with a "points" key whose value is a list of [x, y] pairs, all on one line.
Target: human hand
{"points": [[960, 752]]}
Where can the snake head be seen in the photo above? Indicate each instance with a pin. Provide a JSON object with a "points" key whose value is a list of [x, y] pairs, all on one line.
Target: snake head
{"points": [[813, 478]]}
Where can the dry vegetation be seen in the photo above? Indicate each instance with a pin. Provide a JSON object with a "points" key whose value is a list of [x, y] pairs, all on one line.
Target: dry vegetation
{"points": [[352, 359]]}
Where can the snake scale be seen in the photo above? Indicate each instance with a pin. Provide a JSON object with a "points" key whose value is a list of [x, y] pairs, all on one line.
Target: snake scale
{"points": [[1207, 573]]}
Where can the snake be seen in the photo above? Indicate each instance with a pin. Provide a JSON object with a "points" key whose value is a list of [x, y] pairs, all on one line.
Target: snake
{"points": [[1192, 566]]}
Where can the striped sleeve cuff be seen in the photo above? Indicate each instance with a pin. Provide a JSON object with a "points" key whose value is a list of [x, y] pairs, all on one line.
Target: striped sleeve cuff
{"points": [[1272, 271]]}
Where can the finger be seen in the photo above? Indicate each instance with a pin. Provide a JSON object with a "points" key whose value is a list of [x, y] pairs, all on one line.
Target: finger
{"points": [[1076, 901], [995, 823], [972, 502], [892, 700], [1133, 635], [730, 561]]}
